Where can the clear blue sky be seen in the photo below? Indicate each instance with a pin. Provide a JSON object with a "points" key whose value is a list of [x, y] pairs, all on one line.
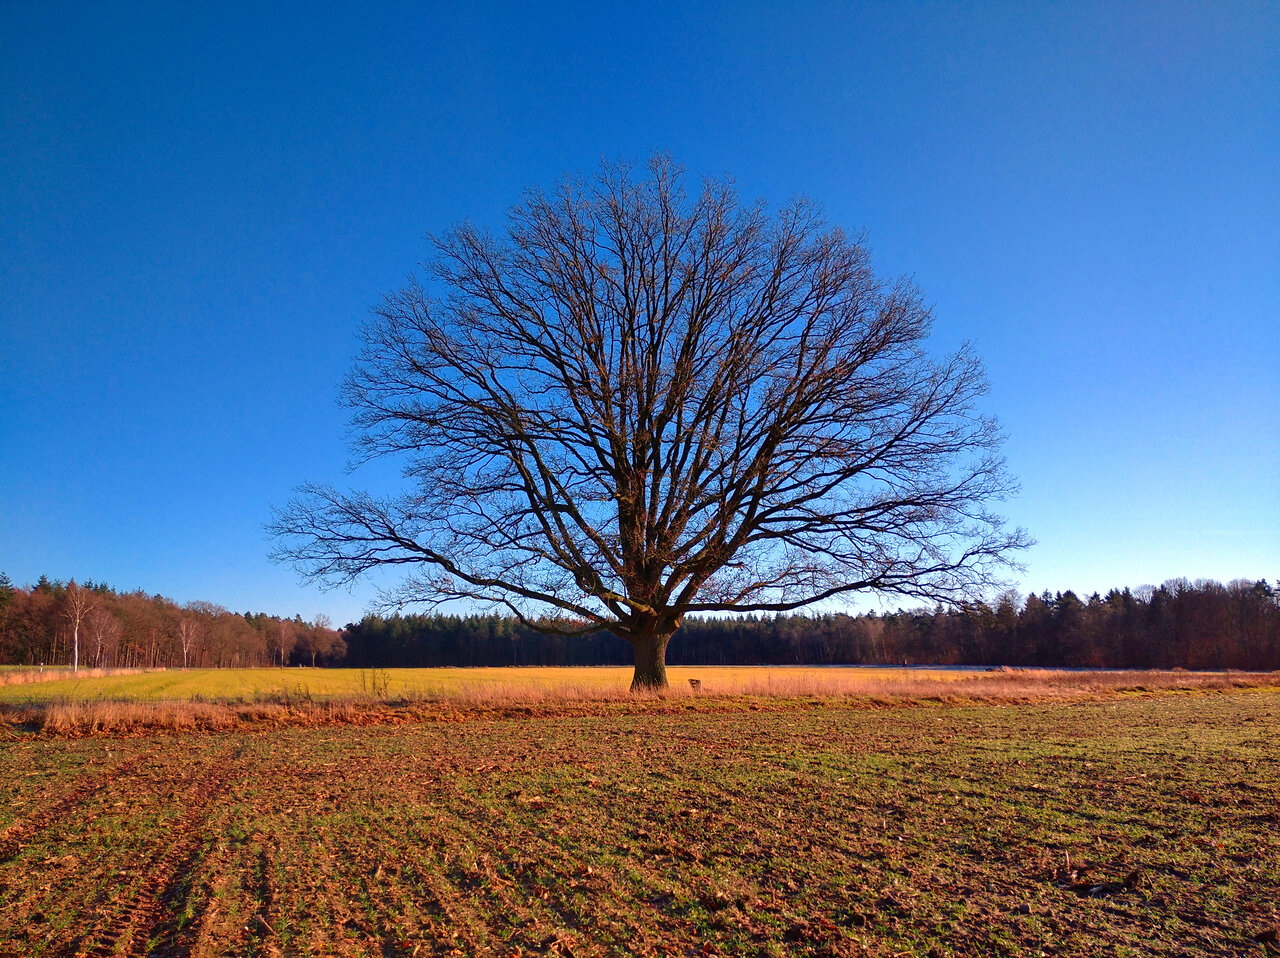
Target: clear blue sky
{"points": [[200, 202]]}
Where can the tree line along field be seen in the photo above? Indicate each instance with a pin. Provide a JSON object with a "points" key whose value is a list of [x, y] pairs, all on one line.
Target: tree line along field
{"points": [[1180, 624], [1128, 824]]}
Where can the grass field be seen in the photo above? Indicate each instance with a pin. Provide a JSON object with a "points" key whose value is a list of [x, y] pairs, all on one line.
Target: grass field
{"points": [[93, 702], [1133, 825], [257, 685], [25, 686]]}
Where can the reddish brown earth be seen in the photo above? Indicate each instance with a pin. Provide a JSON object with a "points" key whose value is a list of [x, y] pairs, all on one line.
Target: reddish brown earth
{"points": [[1140, 825]]}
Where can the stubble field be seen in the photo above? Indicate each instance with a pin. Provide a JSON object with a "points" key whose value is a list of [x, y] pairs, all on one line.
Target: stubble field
{"points": [[1130, 824]]}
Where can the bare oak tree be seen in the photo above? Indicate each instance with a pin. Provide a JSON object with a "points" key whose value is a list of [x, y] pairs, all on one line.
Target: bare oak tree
{"points": [[644, 402]]}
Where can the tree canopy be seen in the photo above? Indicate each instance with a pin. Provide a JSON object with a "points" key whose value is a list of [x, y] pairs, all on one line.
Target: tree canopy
{"points": [[644, 401]]}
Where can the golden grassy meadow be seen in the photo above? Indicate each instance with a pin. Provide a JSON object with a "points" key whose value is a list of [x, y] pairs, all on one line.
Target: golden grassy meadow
{"points": [[255, 685], [94, 701]]}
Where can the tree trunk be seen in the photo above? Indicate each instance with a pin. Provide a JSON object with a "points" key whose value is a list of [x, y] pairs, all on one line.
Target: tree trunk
{"points": [[651, 661]]}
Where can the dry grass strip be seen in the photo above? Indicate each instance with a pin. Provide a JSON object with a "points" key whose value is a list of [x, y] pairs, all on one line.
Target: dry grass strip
{"points": [[736, 692]]}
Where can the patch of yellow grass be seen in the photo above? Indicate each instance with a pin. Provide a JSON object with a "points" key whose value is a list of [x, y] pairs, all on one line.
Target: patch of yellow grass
{"points": [[295, 686], [493, 696], [256, 685], [25, 675]]}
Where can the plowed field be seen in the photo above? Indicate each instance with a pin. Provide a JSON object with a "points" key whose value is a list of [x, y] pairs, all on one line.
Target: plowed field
{"points": [[1145, 825]]}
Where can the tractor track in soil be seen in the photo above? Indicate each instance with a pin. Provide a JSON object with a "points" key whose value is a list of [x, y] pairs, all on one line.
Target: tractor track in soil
{"points": [[144, 921], [787, 839]]}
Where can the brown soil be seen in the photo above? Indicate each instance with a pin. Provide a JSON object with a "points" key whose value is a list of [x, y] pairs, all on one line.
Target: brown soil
{"points": [[1147, 825]]}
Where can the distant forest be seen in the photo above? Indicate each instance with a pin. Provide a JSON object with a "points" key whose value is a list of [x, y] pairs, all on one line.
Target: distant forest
{"points": [[1180, 624], [42, 624]]}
